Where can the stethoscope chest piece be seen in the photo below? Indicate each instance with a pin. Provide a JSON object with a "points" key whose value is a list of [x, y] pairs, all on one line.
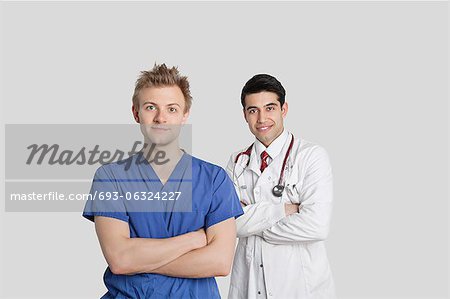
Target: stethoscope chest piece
{"points": [[277, 190]]}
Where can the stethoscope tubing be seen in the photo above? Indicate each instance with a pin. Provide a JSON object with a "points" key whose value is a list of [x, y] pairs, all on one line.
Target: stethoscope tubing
{"points": [[278, 189]]}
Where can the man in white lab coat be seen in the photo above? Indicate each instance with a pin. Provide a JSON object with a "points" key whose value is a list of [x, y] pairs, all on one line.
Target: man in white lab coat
{"points": [[285, 187]]}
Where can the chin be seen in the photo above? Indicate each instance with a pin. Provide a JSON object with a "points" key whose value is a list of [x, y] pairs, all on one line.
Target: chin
{"points": [[161, 138], [161, 141]]}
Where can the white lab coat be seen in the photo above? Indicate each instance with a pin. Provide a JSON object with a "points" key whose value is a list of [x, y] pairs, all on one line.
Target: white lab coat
{"points": [[292, 248]]}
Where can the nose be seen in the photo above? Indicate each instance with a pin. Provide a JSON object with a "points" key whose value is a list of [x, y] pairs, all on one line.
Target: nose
{"points": [[261, 116], [160, 117]]}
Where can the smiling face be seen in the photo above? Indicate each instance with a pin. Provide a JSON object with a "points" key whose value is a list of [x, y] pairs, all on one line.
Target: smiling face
{"points": [[161, 112], [264, 115]]}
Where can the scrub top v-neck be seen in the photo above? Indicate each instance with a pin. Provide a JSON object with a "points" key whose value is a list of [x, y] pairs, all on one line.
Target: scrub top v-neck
{"points": [[207, 198], [177, 173]]}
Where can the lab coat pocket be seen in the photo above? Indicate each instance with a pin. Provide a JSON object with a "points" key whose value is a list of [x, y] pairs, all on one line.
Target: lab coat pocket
{"points": [[292, 194], [293, 186]]}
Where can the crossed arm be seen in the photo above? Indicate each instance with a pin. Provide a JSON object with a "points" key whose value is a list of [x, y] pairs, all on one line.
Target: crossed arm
{"points": [[262, 216], [192, 255], [283, 223]]}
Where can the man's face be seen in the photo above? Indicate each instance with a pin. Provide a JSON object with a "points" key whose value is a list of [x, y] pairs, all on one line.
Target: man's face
{"points": [[264, 115], [161, 113]]}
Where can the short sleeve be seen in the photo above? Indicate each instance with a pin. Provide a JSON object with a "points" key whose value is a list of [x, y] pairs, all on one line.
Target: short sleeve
{"points": [[225, 202], [104, 197]]}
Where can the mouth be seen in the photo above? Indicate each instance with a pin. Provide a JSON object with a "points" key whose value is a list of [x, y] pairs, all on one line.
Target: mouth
{"points": [[263, 129], [160, 128]]}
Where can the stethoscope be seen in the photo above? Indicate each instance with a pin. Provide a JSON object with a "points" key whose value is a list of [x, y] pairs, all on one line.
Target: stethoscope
{"points": [[278, 189]]}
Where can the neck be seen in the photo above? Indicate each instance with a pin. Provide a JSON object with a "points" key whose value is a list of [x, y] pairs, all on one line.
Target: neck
{"points": [[268, 143], [162, 152]]}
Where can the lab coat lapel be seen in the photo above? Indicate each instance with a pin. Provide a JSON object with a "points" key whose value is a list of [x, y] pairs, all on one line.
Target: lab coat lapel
{"points": [[270, 174], [253, 164], [273, 170]]}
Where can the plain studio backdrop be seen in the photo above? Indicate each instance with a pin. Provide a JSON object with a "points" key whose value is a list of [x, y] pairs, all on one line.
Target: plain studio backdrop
{"points": [[368, 81]]}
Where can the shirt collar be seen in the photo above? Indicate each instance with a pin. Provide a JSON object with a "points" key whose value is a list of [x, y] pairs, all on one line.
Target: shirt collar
{"points": [[274, 149]]}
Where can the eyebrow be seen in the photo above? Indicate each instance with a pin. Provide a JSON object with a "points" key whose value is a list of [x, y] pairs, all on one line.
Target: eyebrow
{"points": [[266, 105], [171, 104]]}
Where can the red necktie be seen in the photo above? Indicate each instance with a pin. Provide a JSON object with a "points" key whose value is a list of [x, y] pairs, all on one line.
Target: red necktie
{"points": [[264, 156]]}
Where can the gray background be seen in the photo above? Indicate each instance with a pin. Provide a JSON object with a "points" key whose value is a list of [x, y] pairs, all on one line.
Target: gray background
{"points": [[366, 80]]}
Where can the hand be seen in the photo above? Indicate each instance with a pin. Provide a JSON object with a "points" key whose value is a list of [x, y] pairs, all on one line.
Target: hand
{"points": [[198, 238], [290, 208]]}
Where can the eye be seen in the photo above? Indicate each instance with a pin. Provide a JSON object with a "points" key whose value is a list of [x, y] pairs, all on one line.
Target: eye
{"points": [[270, 108], [251, 111], [173, 109], [150, 107]]}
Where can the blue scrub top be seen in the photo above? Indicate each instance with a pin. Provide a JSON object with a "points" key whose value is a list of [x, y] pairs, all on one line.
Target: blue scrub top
{"points": [[207, 193]]}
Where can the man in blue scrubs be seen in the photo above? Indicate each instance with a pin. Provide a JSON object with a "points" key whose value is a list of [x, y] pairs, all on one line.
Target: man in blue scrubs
{"points": [[166, 226]]}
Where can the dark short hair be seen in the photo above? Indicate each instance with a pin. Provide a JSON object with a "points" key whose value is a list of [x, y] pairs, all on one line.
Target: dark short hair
{"points": [[263, 82]]}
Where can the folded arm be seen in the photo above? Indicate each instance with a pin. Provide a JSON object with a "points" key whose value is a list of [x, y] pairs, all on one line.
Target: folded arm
{"points": [[214, 259], [312, 222], [257, 217], [126, 255]]}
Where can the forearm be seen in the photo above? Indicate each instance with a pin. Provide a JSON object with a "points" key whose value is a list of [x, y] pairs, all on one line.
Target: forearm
{"points": [[310, 224], [259, 217], [142, 255], [214, 259], [199, 263], [126, 255]]}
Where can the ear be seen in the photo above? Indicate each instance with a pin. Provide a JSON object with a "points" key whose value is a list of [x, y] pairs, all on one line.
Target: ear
{"points": [[185, 117], [245, 115], [284, 109], [135, 114]]}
